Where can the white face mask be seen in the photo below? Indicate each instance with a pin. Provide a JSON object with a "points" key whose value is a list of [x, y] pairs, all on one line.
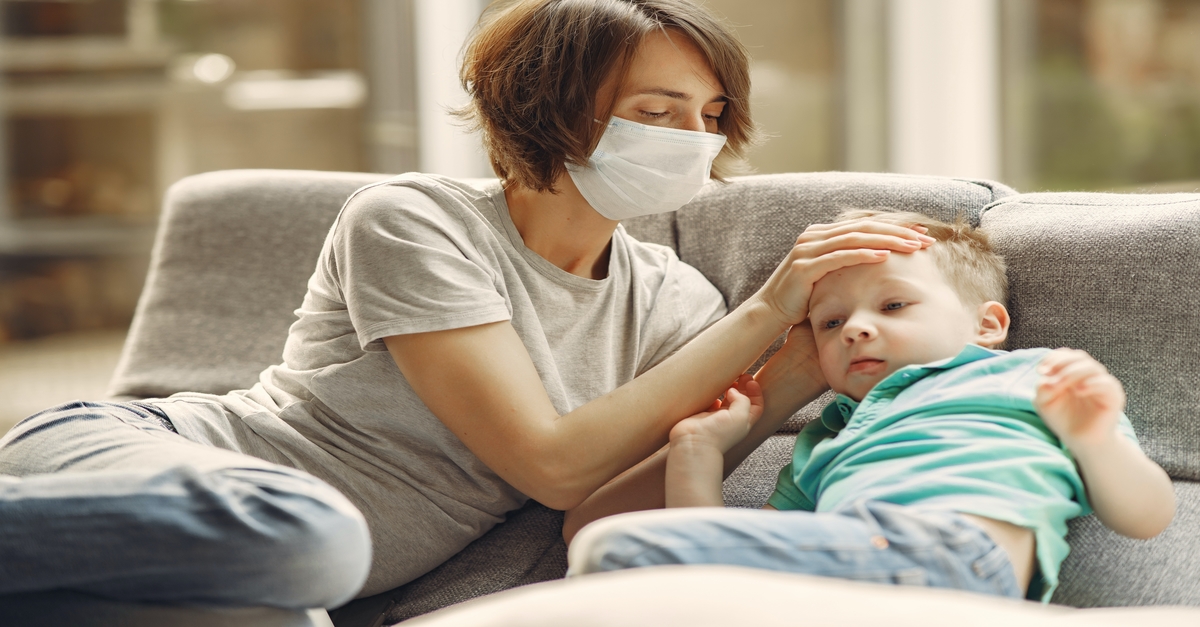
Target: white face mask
{"points": [[638, 170]]}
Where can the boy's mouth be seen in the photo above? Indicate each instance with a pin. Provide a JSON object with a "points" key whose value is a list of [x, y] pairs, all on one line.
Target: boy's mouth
{"points": [[865, 365]]}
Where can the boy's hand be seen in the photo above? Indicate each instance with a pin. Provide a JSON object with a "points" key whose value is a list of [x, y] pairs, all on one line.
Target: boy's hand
{"points": [[727, 422], [1077, 398]]}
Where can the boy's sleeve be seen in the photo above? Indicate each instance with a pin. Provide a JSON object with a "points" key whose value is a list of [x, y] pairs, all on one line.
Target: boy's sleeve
{"points": [[787, 496], [1125, 428]]}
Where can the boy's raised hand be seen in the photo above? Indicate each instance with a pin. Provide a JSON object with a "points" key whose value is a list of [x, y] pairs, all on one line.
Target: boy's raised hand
{"points": [[1077, 398], [727, 422]]}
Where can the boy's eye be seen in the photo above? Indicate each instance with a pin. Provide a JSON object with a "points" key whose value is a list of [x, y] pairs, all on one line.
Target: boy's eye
{"points": [[831, 324], [894, 306]]}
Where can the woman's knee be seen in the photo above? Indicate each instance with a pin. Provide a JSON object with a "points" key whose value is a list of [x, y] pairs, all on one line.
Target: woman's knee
{"points": [[309, 546]]}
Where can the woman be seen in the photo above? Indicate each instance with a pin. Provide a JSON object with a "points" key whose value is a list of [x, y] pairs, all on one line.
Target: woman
{"points": [[459, 350]]}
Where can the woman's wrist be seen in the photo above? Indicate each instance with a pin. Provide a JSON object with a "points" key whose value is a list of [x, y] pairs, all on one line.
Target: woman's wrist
{"points": [[759, 310]]}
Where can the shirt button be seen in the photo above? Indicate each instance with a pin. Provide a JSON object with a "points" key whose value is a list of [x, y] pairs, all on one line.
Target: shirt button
{"points": [[879, 542]]}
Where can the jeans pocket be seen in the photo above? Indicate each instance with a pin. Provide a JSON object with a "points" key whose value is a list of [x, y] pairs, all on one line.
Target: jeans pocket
{"points": [[993, 563]]}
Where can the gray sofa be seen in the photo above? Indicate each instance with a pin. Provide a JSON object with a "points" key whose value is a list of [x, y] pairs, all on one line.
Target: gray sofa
{"points": [[1117, 275]]}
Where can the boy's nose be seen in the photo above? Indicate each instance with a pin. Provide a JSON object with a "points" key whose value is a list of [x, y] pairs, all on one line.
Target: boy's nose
{"points": [[857, 329]]}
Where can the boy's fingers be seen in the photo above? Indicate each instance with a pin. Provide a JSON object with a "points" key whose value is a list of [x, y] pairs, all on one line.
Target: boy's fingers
{"points": [[1054, 360], [1059, 358], [1075, 371]]}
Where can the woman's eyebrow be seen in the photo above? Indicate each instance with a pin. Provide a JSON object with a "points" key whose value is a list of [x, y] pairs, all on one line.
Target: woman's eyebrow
{"points": [[676, 95]]}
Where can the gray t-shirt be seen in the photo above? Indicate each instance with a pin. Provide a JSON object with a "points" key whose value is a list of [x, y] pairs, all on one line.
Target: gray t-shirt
{"points": [[421, 253]]}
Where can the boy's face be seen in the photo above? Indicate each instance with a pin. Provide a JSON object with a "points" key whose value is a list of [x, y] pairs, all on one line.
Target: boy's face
{"points": [[873, 319]]}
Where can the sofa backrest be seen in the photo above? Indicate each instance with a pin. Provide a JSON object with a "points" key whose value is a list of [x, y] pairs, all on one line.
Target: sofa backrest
{"points": [[230, 265], [1117, 275], [736, 234]]}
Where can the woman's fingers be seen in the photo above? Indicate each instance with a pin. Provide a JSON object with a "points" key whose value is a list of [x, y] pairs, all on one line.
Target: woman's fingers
{"points": [[823, 232], [815, 268], [857, 240]]}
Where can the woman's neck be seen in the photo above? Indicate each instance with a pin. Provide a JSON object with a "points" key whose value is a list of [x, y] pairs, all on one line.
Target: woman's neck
{"points": [[562, 228]]}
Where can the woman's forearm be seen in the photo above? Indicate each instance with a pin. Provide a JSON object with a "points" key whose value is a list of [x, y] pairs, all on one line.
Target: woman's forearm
{"points": [[790, 380]]}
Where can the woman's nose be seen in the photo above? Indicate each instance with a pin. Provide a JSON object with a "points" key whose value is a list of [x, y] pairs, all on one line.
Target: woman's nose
{"points": [[694, 122]]}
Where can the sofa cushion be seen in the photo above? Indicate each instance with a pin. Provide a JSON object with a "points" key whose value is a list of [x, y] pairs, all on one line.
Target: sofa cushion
{"points": [[752, 482], [1105, 569], [230, 264], [1115, 275]]}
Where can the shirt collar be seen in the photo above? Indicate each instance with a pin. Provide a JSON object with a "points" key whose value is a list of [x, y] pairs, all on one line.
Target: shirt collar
{"points": [[837, 414]]}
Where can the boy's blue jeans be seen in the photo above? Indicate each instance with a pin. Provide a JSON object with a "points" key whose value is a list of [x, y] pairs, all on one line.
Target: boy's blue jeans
{"points": [[868, 541], [104, 498]]}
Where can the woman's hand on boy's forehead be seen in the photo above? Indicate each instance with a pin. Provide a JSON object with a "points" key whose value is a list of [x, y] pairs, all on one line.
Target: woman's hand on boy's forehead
{"points": [[824, 248]]}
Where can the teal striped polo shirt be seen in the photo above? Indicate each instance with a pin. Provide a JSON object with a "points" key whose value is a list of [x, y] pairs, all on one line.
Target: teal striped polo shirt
{"points": [[960, 434]]}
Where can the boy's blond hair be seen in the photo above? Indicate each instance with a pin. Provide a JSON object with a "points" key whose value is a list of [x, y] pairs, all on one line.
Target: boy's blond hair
{"points": [[975, 271]]}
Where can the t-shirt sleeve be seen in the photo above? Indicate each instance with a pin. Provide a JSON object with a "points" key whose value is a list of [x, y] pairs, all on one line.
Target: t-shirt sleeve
{"points": [[404, 263], [689, 304], [1125, 428], [787, 496]]}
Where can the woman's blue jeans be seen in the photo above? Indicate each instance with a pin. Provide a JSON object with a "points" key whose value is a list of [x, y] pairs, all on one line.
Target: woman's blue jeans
{"points": [[105, 498], [868, 541]]}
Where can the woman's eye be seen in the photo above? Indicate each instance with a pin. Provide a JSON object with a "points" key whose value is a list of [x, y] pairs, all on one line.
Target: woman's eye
{"points": [[713, 118], [894, 306], [654, 114]]}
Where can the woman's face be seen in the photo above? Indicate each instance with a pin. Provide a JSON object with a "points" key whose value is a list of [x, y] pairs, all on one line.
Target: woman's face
{"points": [[671, 84]]}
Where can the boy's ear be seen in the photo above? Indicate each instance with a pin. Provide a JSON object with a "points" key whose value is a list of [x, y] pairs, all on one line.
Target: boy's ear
{"points": [[993, 324]]}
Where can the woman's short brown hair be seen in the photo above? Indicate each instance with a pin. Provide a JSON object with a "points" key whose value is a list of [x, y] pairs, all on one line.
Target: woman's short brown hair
{"points": [[534, 68]]}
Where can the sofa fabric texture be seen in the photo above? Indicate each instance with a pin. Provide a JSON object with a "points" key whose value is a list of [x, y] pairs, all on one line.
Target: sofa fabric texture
{"points": [[1112, 274]]}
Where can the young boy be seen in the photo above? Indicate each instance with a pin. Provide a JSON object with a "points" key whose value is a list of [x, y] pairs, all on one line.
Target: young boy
{"points": [[942, 462]]}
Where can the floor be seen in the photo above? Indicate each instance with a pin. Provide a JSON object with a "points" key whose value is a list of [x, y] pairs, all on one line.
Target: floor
{"points": [[36, 374]]}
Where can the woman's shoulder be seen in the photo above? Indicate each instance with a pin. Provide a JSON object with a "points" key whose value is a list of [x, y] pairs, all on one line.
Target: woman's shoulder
{"points": [[417, 202], [415, 192]]}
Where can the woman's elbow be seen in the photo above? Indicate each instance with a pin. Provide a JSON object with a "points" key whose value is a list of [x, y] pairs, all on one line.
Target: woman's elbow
{"points": [[556, 487]]}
